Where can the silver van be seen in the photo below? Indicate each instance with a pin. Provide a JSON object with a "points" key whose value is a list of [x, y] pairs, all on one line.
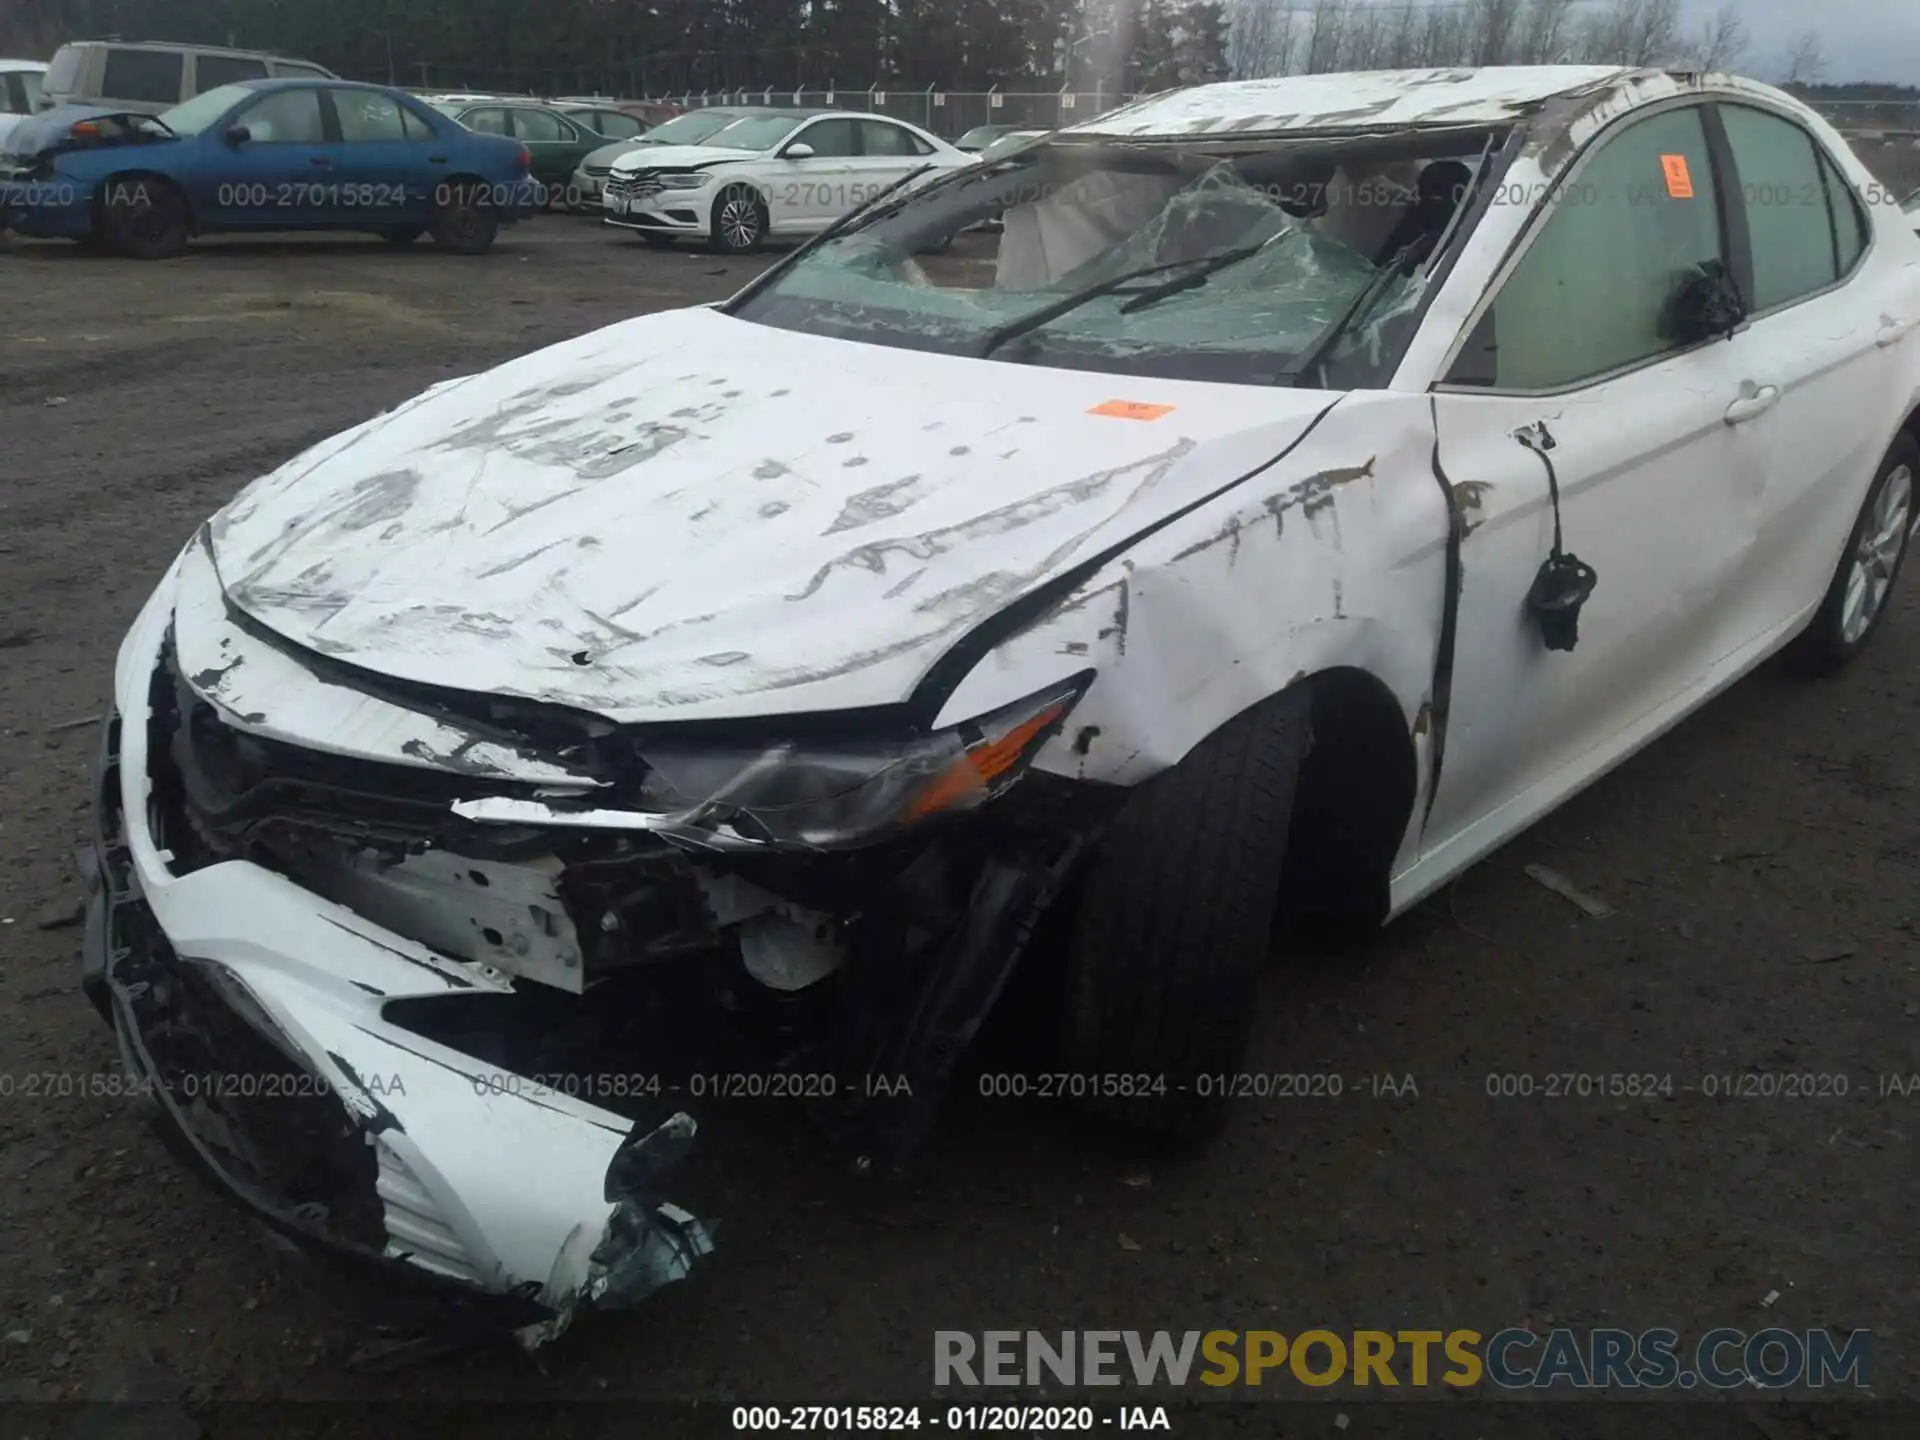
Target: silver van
{"points": [[152, 76]]}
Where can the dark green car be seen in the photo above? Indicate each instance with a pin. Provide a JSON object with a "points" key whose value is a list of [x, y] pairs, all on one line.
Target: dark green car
{"points": [[557, 141]]}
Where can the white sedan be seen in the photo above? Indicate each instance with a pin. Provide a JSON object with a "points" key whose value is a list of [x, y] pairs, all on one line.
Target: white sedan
{"points": [[768, 175], [1326, 478]]}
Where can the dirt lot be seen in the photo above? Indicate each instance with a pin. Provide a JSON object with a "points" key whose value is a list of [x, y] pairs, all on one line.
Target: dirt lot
{"points": [[1760, 859]]}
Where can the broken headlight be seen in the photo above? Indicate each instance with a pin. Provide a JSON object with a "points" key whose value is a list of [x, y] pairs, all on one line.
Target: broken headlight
{"points": [[824, 795]]}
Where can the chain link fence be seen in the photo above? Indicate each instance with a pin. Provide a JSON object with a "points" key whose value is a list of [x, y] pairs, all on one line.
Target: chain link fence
{"points": [[948, 113]]}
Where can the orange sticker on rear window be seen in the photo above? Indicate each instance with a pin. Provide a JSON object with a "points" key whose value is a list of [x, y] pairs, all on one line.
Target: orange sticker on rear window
{"points": [[1130, 410], [1679, 178]]}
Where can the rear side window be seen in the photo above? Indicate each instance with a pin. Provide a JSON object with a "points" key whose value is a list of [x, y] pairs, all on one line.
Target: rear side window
{"points": [[539, 126], [149, 76], [1849, 220], [28, 99], [1591, 295], [212, 71], [1783, 188], [879, 138], [63, 75], [487, 122], [367, 115]]}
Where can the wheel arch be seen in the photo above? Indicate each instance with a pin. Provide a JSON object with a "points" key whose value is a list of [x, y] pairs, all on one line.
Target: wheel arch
{"points": [[137, 173]]}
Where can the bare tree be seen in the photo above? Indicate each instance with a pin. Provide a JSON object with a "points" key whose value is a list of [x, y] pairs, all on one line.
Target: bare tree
{"points": [[1633, 32], [1804, 64], [1263, 38], [1328, 41], [1402, 36], [1718, 43], [1490, 27], [1547, 32]]}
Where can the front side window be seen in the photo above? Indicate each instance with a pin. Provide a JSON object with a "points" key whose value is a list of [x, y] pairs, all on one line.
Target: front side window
{"points": [[831, 139], [367, 115], [286, 117], [1594, 290], [148, 76], [1783, 189], [1851, 228], [30, 91], [1196, 263], [212, 71]]}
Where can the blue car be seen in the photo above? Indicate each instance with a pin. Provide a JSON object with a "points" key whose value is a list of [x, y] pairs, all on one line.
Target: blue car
{"points": [[263, 155]]}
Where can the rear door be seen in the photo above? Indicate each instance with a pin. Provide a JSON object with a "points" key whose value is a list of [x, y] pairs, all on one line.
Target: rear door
{"points": [[1659, 470], [278, 177], [556, 144], [1835, 329], [888, 154], [384, 158]]}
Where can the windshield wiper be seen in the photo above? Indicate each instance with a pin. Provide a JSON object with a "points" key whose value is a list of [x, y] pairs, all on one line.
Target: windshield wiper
{"points": [[1117, 284], [1155, 294], [1355, 308]]}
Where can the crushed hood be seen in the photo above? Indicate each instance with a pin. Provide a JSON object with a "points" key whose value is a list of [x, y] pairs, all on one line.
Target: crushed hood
{"points": [[681, 157], [688, 516]]}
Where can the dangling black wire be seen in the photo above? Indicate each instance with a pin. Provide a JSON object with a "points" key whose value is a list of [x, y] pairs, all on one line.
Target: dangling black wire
{"points": [[1565, 582]]}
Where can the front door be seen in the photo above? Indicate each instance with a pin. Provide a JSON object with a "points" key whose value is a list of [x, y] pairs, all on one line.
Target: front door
{"points": [[1660, 475], [811, 193], [279, 177]]}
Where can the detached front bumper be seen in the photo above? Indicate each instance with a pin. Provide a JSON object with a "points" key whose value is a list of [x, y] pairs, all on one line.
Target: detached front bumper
{"points": [[252, 1011]]}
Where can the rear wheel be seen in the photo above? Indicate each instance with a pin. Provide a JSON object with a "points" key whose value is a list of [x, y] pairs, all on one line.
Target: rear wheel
{"points": [[1856, 600], [1173, 925], [144, 218], [739, 220], [464, 221]]}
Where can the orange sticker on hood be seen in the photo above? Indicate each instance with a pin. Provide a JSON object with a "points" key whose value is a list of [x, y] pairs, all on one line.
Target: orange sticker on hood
{"points": [[1130, 410]]}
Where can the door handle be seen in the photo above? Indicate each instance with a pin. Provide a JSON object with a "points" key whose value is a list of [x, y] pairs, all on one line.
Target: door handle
{"points": [[1758, 402], [319, 162], [436, 159], [1892, 332]]}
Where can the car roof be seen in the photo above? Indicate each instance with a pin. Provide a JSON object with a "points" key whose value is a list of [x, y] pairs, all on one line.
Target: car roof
{"points": [[15, 65], [1357, 100], [194, 46]]}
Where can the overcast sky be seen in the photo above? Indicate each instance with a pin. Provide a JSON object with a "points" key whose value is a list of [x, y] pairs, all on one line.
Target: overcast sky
{"points": [[1860, 39]]}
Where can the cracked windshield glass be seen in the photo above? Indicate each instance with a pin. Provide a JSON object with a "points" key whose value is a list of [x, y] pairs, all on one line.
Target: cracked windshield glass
{"points": [[1281, 266]]}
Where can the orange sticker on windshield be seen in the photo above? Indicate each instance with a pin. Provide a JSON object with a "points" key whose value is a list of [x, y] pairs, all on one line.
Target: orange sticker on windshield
{"points": [[1679, 178], [1130, 410]]}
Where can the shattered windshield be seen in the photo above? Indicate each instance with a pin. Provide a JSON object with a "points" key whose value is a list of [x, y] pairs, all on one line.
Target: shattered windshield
{"points": [[1248, 268]]}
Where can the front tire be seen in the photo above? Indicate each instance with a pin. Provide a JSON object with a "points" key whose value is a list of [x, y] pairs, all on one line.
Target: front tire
{"points": [[1856, 601], [740, 220], [1174, 922], [144, 219], [464, 222]]}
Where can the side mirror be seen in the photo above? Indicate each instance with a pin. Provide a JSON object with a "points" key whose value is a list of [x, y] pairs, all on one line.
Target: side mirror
{"points": [[1706, 305], [238, 134], [800, 151]]}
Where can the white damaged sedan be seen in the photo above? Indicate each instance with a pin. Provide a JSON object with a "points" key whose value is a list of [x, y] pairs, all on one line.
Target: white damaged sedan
{"points": [[1315, 482]]}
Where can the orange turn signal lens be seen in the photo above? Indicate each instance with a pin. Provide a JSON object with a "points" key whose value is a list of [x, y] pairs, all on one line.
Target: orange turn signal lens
{"points": [[976, 771]]}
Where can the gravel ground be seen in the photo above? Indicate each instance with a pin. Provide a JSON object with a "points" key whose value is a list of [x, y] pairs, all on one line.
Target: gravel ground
{"points": [[1760, 861]]}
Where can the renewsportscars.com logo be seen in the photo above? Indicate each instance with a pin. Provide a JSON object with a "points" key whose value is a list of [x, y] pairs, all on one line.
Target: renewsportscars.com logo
{"points": [[1511, 1359]]}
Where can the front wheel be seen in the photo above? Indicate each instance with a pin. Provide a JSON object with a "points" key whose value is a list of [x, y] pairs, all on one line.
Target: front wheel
{"points": [[144, 219], [1856, 601], [463, 222], [1174, 921], [739, 221]]}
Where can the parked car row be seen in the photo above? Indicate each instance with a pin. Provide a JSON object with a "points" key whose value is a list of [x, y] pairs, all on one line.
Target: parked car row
{"points": [[263, 155]]}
